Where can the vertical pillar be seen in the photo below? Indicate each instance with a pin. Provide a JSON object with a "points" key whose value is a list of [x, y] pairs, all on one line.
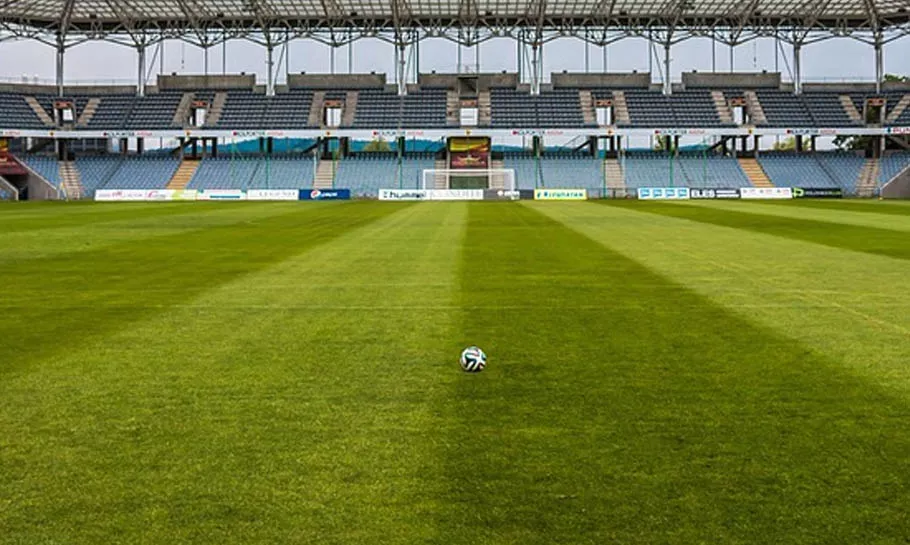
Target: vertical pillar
{"points": [[205, 59], [223, 57], [400, 67], [270, 65], [477, 58], [350, 54], [140, 146], [606, 59], [587, 55], [458, 59], [879, 62], [332, 59], [535, 68], [61, 51], [732, 60], [519, 56], [140, 83], [713, 54], [668, 85], [797, 69]]}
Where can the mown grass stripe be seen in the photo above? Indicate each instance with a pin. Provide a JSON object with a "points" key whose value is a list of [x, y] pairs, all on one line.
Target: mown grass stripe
{"points": [[896, 208], [895, 222], [254, 412], [60, 301], [659, 417], [871, 240]]}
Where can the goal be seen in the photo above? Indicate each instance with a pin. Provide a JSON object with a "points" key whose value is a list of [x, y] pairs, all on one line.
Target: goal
{"points": [[503, 178]]}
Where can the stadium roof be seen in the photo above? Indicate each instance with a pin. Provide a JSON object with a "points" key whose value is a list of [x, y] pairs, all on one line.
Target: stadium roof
{"points": [[171, 18]]}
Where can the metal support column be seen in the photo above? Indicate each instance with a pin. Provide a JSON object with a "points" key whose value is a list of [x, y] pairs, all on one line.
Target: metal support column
{"points": [[205, 59], [401, 65], [797, 69], [270, 66], [535, 68], [61, 52], [879, 62], [140, 83], [668, 86]]}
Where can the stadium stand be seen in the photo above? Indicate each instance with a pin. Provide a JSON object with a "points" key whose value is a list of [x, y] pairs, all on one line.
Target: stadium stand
{"points": [[46, 167], [16, 113], [795, 170], [650, 169], [366, 173]]}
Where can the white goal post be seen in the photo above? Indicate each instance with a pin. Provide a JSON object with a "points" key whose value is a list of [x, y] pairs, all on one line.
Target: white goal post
{"points": [[501, 178]]}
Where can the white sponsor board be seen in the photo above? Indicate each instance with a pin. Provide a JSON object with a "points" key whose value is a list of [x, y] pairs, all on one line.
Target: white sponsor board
{"points": [[766, 193], [273, 195], [145, 195], [431, 194], [663, 193], [221, 195], [560, 194]]}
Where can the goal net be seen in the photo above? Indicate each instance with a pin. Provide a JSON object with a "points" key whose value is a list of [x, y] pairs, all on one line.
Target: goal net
{"points": [[503, 179]]}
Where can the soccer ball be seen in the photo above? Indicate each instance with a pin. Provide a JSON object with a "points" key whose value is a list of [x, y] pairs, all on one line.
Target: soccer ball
{"points": [[473, 360]]}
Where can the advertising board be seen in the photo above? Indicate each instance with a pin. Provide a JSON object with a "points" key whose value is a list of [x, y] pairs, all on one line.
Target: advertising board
{"points": [[272, 195], [663, 193], [713, 193], [766, 193], [220, 195], [325, 194], [560, 194], [818, 193]]}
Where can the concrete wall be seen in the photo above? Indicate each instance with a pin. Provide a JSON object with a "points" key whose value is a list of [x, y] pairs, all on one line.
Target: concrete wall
{"points": [[750, 80], [615, 80], [336, 81], [68, 90], [484, 81], [175, 82], [898, 187]]}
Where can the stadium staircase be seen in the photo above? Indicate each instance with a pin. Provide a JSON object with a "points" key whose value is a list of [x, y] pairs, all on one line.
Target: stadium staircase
{"points": [[453, 109], [350, 108], [183, 110], [756, 111], [587, 107], [40, 111], [868, 178], [850, 108], [755, 173], [722, 107], [316, 108], [614, 174], [70, 180], [620, 109], [325, 174], [184, 174], [898, 109], [88, 112], [214, 114], [484, 109]]}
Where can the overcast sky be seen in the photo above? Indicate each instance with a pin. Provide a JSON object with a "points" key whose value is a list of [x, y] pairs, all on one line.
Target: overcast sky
{"points": [[832, 60]]}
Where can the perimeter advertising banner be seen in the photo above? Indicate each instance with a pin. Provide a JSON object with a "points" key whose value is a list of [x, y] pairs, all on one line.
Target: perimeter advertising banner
{"points": [[431, 194], [714, 193], [325, 194], [663, 193], [818, 193], [221, 195], [272, 195], [145, 195], [560, 194], [766, 193]]}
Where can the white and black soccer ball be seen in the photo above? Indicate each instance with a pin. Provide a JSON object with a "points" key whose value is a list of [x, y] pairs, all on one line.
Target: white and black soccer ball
{"points": [[473, 360]]}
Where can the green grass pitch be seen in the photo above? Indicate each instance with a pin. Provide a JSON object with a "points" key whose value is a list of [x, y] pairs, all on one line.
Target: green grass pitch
{"points": [[659, 373]]}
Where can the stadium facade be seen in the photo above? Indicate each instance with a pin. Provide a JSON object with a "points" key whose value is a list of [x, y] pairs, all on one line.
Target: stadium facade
{"points": [[63, 135]]}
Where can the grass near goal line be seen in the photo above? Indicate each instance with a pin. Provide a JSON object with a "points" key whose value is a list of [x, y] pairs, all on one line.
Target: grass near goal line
{"points": [[678, 373]]}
